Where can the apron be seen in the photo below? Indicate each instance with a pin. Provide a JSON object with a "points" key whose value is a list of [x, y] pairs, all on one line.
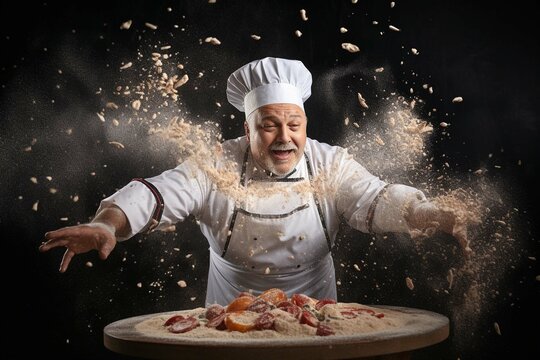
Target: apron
{"points": [[277, 238]]}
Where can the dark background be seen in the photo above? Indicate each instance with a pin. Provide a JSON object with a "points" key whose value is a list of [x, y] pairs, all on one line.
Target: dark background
{"points": [[484, 52]]}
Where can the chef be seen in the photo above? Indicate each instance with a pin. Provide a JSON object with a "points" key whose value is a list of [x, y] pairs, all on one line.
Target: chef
{"points": [[280, 233]]}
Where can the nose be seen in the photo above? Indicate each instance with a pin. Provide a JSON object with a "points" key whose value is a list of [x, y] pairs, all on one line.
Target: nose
{"points": [[284, 136]]}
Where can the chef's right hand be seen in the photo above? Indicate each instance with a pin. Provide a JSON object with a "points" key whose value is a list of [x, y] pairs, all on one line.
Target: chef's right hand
{"points": [[80, 239], [425, 218]]}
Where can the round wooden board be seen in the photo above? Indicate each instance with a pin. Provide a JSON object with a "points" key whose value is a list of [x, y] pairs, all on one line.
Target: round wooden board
{"points": [[425, 328]]}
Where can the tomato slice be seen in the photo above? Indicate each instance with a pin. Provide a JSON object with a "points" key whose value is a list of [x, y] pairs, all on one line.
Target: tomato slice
{"points": [[274, 296], [245, 293], [239, 304], [239, 321], [301, 300], [308, 318]]}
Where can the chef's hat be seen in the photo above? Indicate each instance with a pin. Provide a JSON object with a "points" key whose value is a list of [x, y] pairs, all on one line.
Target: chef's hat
{"points": [[269, 81]]}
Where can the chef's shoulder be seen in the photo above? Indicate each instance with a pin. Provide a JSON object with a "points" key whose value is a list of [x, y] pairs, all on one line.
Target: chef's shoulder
{"points": [[323, 154], [234, 149]]}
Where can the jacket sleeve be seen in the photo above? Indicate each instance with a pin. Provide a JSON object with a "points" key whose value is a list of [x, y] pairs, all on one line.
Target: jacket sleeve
{"points": [[369, 204], [160, 201]]}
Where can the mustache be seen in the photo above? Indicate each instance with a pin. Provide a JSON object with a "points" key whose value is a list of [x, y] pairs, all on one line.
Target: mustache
{"points": [[283, 147]]}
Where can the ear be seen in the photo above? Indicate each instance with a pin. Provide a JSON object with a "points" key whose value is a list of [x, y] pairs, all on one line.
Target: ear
{"points": [[246, 129]]}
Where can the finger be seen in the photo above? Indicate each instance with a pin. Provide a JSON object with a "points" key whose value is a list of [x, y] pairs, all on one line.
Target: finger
{"points": [[46, 246], [105, 251], [66, 259], [63, 232]]}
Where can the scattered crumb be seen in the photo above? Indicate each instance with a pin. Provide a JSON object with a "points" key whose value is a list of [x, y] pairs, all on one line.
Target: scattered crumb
{"points": [[409, 283], [150, 26], [126, 25], [362, 101], [212, 40], [497, 328], [350, 47], [126, 66]]}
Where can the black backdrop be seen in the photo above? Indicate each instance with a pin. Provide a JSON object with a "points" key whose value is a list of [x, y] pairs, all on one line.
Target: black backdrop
{"points": [[61, 62]]}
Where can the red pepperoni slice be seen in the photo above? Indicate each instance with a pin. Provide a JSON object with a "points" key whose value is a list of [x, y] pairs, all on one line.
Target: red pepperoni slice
{"points": [[350, 309], [288, 306], [265, 321], [213, 311], [173, 319], [260, 306], [323, 302], [324, 330], [184, 325], [218, 322], [348, 314]]}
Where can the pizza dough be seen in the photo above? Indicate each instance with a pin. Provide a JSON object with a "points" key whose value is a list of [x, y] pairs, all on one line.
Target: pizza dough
{"points": [[273, 315]]}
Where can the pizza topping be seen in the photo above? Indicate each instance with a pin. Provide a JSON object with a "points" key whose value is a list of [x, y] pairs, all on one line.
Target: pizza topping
{"points": [[274, 296], [246, 293], [265, 321], [241, 321], [173, 319], [309, 319], [323, 302], [184, 325], [324, 330], [288, 306], [214, 311], [272, 310], [239, 304], [260, 306], [301, 300], [218, 322]]}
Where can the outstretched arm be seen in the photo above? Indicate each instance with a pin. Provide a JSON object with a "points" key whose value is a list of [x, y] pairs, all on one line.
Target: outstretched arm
{"points": [[401, 208], [100, 234]]}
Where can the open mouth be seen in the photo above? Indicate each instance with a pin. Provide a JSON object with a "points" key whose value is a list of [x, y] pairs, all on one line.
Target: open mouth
{"points": [[282, 154]]}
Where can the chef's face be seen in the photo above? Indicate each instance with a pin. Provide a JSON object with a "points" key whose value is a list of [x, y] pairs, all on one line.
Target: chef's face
{"points": [[277, 135]]}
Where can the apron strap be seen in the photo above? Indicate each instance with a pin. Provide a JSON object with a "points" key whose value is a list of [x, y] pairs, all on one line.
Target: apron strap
{"points": [[235, 212], [319, 210]]}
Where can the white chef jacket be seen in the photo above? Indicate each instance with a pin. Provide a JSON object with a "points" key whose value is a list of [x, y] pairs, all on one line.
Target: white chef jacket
{"points": [[238, 261]]}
